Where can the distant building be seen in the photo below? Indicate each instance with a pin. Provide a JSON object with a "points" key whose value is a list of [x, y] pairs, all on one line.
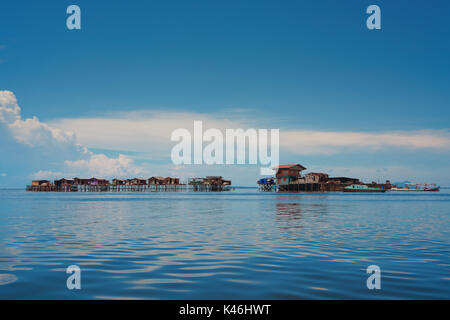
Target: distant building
{"points": [[40, 183], [64, 182], [216, 180], [91, 182], [119, 182], [316, 177], [288, 173], [344, 180], [156, 180], [312, 177], [211, 183], [98, 182], [171, 181], [137, 182], [196, 181], [81, 182]]}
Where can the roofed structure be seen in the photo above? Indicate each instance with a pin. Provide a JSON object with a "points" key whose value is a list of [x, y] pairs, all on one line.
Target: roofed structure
{"points": [[297, 166], [288, 173]]}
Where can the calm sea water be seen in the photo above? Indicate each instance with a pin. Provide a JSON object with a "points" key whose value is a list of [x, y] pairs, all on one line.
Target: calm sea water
{"points": [[230, 245]]}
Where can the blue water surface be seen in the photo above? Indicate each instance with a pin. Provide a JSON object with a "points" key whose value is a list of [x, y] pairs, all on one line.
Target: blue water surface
{"points": [[241, 244]]}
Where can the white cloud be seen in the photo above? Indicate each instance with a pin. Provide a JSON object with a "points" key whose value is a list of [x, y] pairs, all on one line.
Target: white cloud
{"points": [[34, 133], [9, 110], [103, 166], [3, 174], [145, 132], [31, 131], [55, 143], [328, 142], [61, 145], [150, 133], [46, 175]]}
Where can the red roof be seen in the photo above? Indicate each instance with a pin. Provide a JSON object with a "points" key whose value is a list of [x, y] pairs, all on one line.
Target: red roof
{"points": [[289, 166]]}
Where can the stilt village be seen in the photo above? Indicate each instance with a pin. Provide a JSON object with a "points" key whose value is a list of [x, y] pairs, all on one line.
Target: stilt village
{"points": [[288, 178], [210, 183]]}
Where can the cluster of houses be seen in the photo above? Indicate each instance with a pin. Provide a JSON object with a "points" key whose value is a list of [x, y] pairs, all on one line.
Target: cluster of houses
{"points": [[143, 182], [289, 178], [215, 183], [105, 182], [210, 183]]}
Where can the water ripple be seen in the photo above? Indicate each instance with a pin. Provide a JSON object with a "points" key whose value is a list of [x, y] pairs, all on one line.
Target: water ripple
{"points": [[224, 246]]}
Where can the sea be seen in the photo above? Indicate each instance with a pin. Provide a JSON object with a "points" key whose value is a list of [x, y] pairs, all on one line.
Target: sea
{"points": [[239, 244]]}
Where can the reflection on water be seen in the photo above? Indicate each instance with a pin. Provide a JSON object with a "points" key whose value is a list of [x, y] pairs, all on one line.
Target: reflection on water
{"points": [[288, 216], [292, 216], [223, 245], [7, 278], [291, 210]]}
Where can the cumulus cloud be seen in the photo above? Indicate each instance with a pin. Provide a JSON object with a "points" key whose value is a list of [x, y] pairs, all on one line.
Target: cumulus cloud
{"points": [[62, 145], [99, 164], [31, 131], [55, 143], [9, 109], [34, 133]]}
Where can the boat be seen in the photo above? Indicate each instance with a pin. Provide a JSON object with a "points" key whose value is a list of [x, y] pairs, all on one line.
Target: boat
{"points": [[362, 188], [416, 187]]}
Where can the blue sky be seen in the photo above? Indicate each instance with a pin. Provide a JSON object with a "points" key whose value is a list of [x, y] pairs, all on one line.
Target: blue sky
{"points": [[295, 65]]}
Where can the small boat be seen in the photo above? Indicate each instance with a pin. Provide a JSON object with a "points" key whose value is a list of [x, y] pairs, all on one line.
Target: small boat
{"points": [[417, 187], [362, 188]]}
